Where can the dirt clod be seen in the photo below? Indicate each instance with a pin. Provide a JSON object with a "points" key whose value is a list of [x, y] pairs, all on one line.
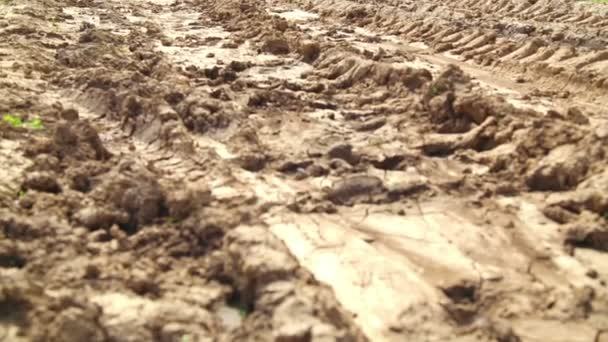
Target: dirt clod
{"points": [[276, 46], [310, 50], [562, 169], [354, 188], [42, 181]]}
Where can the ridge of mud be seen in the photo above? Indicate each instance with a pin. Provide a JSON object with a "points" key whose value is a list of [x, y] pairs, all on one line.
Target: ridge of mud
{"points": [[554, 40]]}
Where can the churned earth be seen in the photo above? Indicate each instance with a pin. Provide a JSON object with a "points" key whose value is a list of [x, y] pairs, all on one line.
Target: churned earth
{"points": [[292, 171]]}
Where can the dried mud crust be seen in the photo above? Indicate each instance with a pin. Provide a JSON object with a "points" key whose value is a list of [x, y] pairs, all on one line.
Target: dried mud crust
{"points": [[218, 170]]}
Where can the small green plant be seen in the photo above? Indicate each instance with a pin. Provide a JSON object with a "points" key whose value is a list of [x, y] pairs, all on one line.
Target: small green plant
{"points": [[21, 194], [185, 338], [17, 122], [12, 120], [35, 124]]}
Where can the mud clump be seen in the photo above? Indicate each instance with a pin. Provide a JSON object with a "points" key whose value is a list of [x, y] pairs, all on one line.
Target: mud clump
{"points": [[588, 238], [454, 105], [100, 218], [75, 324], [200, 113], [562, 169], [478, 138], [463, 306], [70, 114], [130, 196], [588, 231], [253, 162], [74, 140], [182, 203], [70, 320], [42, 181], [276, 46], [310, 50], [17, 299], [144, 203], [347, 70], [345, 152], [370, 125], [11, 257], [356, 188], [576, 116]]}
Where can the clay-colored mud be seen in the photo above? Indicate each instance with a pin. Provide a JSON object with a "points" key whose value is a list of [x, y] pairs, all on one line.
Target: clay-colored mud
{"points": [[200, 170]]}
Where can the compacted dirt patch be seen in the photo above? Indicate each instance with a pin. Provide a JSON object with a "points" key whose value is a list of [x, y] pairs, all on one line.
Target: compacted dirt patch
{"points": [[200, 170]]}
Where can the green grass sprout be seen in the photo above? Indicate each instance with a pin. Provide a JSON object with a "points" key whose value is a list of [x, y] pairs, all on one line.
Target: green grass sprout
{"points": [[17, 122], [12, 120], [35, 124]]}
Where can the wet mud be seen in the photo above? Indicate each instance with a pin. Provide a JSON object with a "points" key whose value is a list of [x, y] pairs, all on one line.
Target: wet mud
{"points": [[200, 170]]}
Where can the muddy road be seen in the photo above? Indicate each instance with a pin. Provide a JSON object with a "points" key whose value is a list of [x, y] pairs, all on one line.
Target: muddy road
{"points": [[291, 171]]}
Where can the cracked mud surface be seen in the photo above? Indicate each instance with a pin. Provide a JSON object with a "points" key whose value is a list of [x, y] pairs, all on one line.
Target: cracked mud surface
{"points": [[303, 170]]}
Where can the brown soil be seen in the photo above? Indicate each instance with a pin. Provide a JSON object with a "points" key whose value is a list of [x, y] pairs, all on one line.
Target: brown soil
{"points": [[292, 171]]}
